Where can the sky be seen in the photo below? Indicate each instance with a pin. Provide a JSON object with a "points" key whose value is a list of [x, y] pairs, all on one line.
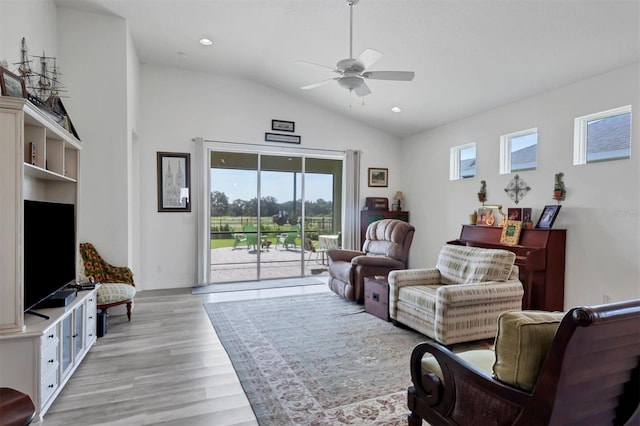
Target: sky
{"points": [[241, 184]]}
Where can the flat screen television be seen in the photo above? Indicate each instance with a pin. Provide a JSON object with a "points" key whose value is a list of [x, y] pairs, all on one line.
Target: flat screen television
{"points": [[49, 249]]}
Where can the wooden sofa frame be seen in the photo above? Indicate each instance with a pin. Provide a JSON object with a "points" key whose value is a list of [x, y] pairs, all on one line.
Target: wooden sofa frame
{"points": [[589, 377]]}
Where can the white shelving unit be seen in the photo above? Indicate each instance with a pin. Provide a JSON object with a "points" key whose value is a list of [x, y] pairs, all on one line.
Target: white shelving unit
{"points": [[40, 161]]}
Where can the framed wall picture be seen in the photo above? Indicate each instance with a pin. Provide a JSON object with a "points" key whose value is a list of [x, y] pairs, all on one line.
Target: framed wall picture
{"points": [[174, 182], [378, 177], [548, 216], [283, 126], [277, 137], [11, 84]]}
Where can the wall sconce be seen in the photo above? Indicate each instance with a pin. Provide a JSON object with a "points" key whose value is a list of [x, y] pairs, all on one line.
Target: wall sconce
{"points": [[399, 198]]}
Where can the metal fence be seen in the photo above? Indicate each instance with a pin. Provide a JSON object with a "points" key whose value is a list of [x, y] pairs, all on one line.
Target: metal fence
{"points": [[224, 226]]}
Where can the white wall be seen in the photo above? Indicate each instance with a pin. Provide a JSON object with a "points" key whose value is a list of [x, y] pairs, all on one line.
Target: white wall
{"points": [[602, 208], [35, 20], [176, 106], [93, 49]]}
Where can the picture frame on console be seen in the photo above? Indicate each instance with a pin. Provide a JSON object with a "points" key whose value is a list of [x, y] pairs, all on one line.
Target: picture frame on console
{"points": [[548, 216], [174, 182]]}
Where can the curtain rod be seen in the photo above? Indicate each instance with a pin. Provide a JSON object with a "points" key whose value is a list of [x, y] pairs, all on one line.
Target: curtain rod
{"points": [[272, 146]]}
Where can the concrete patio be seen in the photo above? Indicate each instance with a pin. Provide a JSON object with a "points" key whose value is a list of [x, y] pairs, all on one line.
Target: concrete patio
{"points": [[240, 264]]}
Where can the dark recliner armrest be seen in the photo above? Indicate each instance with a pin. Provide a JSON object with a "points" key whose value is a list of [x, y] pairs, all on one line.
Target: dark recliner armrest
{"points": [[343, 255], [377, 261]]}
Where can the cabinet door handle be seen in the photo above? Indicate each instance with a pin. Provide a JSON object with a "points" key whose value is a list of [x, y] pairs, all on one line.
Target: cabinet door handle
{"points": [[51, 336], [91, 317], [50, 386], [51, 361]]}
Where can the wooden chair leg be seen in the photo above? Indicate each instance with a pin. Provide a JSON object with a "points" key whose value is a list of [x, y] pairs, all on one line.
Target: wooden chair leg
{"points": [[413, 420], [129, 309]]}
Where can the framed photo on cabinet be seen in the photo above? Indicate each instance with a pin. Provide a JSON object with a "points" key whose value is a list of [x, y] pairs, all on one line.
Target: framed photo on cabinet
{"points": [[548, 216], [174, 182]]}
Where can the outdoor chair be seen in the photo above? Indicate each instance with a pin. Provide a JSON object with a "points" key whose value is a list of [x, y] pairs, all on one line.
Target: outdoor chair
{"points": [[251, 233], [239, 238], [547, 368], [116, 282], [286, 239], [319, 250]]}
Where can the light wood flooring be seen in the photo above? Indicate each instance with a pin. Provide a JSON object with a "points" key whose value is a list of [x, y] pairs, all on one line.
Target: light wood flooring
{"points": [[166, 367]]}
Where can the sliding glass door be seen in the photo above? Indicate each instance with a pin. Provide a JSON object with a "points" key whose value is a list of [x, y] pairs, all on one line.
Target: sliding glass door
{"points": [[267, 212]]}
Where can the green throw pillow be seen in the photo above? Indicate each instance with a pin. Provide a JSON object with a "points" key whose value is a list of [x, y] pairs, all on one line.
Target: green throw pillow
{"points": [[521, 346]]}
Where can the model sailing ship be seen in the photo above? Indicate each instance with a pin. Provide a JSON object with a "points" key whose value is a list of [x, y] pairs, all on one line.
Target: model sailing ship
{"points": [[43, 87]]}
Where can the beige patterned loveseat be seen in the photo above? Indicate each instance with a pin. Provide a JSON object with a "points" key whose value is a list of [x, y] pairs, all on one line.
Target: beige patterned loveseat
{"points": [[461, 298]]}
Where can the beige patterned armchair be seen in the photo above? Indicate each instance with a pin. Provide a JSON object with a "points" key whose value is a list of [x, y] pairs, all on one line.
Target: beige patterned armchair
{"points": [[461, 298]]}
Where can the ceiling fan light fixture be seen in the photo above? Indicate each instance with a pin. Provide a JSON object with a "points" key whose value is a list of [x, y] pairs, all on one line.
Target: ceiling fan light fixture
{"points": [[350, 83]]}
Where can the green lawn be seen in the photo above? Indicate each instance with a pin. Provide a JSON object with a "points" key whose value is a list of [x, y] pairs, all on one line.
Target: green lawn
{"points": [[222, 243], [229, 242]]}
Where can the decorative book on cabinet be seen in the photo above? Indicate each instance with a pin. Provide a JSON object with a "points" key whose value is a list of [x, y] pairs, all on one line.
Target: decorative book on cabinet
{"points": [[367, 217]]}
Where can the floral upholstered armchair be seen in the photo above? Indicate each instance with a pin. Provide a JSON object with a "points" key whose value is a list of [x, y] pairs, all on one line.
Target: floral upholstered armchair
{"points": [[116, 282]]}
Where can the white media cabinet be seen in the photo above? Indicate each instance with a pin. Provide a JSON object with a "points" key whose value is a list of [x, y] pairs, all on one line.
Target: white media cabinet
{"points": [[40, 360], [40, 161]]}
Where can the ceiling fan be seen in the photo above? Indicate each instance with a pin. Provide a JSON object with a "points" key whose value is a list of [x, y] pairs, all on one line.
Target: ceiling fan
{"points": [[353, 72]]}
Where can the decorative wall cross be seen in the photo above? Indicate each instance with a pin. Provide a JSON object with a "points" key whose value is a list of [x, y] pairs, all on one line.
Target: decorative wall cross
{"points": [[517, 189]]}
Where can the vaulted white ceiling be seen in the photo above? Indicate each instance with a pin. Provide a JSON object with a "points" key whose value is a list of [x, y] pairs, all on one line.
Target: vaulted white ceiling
{"points": [[468, 55]]}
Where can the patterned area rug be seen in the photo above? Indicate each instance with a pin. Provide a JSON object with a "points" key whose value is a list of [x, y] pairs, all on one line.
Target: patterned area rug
{"points": [[317, 360]]}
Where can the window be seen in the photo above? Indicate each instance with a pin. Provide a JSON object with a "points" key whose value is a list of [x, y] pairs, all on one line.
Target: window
{"points": [[462, 161], [519, 151], [603, 136]]}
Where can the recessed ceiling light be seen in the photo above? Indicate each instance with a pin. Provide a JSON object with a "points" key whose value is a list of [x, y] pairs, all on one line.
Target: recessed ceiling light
{"points": [[206, 41], [396, 109]]}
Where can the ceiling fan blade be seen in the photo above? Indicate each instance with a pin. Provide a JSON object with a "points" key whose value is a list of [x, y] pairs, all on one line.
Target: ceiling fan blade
{"points": [[362, 90], [389, 75], [319, 83], [367, 58], [317, 65]]}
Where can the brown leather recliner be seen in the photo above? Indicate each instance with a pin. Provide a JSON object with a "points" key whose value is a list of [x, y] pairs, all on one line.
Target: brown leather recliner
{"points": [[385, 249]]}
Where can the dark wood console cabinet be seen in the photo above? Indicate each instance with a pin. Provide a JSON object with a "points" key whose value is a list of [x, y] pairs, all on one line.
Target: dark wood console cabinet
{"points": [[540, 257], [367, 217]]}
